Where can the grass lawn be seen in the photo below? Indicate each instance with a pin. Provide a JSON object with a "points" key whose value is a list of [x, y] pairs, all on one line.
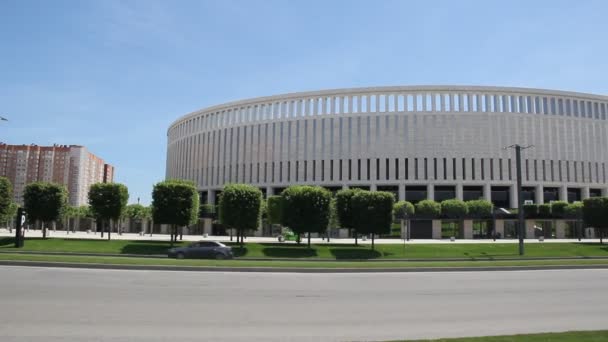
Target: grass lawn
{"points": [[571, 336], [300, 264], [483, 251]]}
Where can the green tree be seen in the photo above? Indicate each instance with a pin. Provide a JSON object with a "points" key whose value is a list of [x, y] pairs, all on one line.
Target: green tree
{"points": [[176, 203], [531, 210], [6, 198], [574, 210], [10, 215], [241, 208], [344, 210], [306, 209], [373, 212], [137, 213], [108, 202], [402, 211], [558, 208], [595, 214], [455, 210], [275, 209], [44, 202], [428, 209], [480, 208], [544, 210]]}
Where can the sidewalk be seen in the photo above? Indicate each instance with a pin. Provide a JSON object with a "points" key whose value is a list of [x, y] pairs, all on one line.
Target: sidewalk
{"points": [[164, 237]]}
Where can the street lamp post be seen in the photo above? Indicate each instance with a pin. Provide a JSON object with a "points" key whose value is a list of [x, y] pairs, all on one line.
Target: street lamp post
{"points": [[520, 200]]}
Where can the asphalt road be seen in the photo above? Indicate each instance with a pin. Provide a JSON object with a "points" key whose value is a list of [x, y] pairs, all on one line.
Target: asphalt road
{"points": [[54, 304]]}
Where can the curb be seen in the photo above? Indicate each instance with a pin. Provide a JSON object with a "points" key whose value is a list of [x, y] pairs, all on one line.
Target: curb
{"points": [[162, 256], [292, 269]]}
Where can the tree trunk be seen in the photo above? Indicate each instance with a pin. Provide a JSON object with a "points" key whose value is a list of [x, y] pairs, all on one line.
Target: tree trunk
{"points": [[373, 241], [181, 233], [308, 239], [601, 231], [43, 230], [356, 238], [171, 235], [240, 233], [100, 223], [109, 229]]}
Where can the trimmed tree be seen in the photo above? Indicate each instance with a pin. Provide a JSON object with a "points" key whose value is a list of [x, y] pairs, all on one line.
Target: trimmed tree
{"points": [[574, 210], [595, 214], [558, 209], [531, 210], [455, 210], [306, 209], [428, 209], [373, 212], [544, 210], [402, 211], [44, 202], [175, 202], [108, 202], [137, 213], [274, 205], [480, 208], [344, 210], [241, 208]]}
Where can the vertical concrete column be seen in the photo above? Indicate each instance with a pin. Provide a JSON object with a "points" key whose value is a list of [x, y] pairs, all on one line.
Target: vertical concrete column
{"points": [[500, 227], [585, 192], [344, 186], [468, 229], [563, 193], [211, 197], [436, 229], [373, 187], [487, 192], [402, 192], [530, 229], [513, 196], [560, 229], [605, 192], [459, 192], [269, 191], [430, 194], [539, 197]]}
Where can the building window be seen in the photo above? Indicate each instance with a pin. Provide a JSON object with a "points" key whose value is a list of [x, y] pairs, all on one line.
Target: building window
{"points": [[397, 168], [377, 169], [527, 170], [323, 170], [368, 168], [473, 168], [340, 171], [426, 173], [416, 168], [331, 170], [297, 170], [358, 169], [407, 171], [445, 168], [387, 168], [314, 170]]}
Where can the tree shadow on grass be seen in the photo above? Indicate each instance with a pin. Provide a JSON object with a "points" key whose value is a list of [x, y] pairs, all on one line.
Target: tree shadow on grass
{"points": [[357, 253], [289, 252], [147, 247]]}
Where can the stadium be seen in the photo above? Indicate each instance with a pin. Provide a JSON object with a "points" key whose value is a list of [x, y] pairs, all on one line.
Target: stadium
{"points": [[419, 142]]}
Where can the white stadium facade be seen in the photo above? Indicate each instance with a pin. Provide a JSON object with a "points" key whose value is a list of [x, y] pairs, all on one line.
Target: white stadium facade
{"points": [[435, 142]]}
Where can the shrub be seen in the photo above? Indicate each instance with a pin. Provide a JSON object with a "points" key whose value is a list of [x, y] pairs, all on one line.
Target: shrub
{"points": [[343, 207], [454, 209], [175, 202], [428, 209], [480, 208]]}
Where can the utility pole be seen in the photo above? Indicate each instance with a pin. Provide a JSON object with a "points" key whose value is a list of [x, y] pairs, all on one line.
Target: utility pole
{"points": [[520, 200]]}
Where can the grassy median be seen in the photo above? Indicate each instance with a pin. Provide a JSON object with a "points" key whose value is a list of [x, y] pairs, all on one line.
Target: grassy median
{"points": [[291, 264], [481, 251], [570, 336]]}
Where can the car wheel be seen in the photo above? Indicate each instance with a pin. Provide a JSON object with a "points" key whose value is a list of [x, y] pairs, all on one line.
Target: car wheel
{"points": [[180, 255], [220, 256]]}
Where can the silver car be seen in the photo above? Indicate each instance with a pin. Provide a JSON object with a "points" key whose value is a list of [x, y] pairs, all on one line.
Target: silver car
{"points": [[202, 250]]}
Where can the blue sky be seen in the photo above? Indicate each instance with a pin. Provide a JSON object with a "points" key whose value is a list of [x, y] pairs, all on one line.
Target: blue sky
{"points": [[112, 75]]}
